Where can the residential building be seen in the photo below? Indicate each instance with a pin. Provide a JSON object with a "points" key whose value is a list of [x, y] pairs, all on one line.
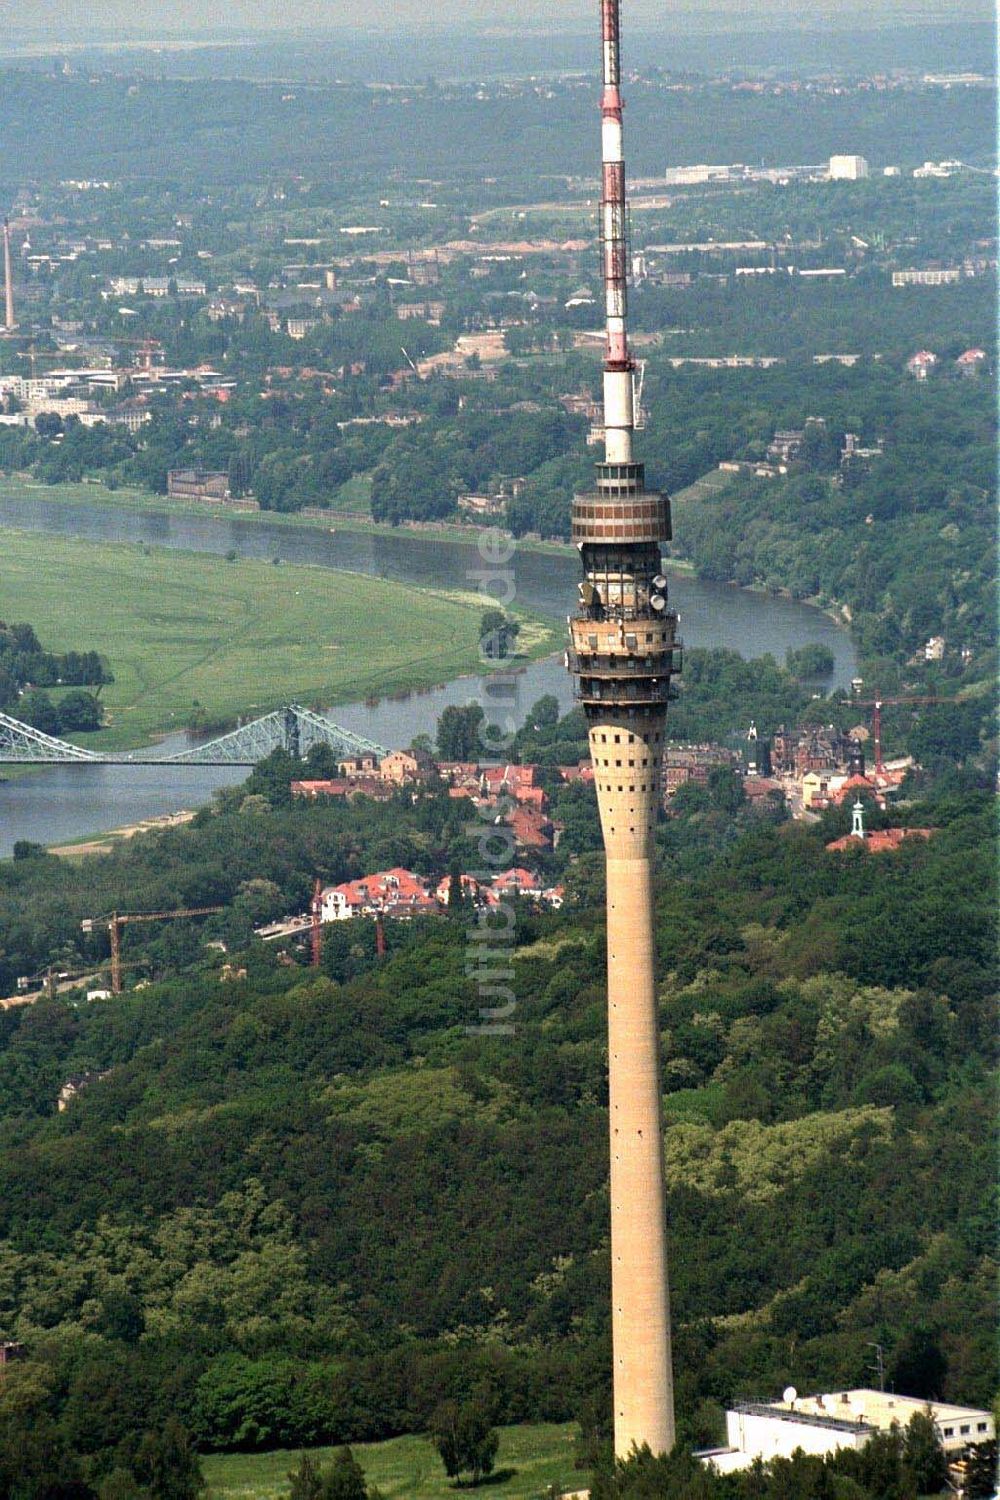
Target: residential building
{"points": [[921, 363], [971, 362], [517, 881], [403, 766], [854, 451], [348, 787], [430, 312], [516, 782], [473, 891], [74, 1085], [396, 892], [359, 765], [784, 447], [531, 829], [197, 484]]}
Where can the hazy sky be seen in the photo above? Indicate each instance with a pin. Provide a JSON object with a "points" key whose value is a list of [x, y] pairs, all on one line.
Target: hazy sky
{"points": [[570, 14]]}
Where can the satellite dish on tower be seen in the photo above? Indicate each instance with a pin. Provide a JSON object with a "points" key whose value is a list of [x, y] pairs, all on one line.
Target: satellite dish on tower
{"points": [[789, 1395]]}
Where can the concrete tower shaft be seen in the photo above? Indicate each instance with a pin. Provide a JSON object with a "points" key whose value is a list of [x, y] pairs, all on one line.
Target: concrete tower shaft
{"points": [[624, 651]]}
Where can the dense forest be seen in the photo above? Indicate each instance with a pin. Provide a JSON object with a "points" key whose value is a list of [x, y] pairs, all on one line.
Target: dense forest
{"points": [[249, 1219]]}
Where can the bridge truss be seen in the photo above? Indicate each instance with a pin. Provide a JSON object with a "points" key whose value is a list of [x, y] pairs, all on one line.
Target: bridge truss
{"points": [[293, 729]]}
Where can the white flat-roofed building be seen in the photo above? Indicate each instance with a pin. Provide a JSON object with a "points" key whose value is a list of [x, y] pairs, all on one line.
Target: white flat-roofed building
{"points": [[765, 1431], [825, 1424], [957, 1426], [934, 276], [848, 168]]}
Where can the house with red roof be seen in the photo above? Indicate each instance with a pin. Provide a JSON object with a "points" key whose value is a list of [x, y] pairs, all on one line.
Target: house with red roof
{"points": [[519, 783], [517, 881], [472, 889], [395, 892], [880, 840], [921, 364], [531, 829]]}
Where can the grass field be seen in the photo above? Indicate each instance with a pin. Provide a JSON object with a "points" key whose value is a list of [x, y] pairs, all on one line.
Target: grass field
{"points": [[235, 637], [715, 479], [530, 1459]]}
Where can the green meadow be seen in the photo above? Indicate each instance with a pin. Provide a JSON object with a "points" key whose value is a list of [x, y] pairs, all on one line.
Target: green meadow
{"points": [[529, 1461], [182, 630]]}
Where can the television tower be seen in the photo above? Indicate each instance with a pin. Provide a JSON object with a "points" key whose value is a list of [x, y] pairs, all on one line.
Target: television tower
{"points": [[624, 651], [8, 281]]}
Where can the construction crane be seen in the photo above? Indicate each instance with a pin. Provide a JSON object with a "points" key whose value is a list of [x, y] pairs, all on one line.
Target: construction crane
{"points": [[638, 381], [877, 705], [316, 925], [118, 920]]}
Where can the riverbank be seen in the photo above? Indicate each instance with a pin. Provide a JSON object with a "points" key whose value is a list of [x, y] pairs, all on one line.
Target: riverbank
{"points": [[80, 848], [330, 522], [188, 633]]}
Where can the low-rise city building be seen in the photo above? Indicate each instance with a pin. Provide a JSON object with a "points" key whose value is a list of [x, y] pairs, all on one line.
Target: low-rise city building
{"points": [[827, 1424], [197, 484]]}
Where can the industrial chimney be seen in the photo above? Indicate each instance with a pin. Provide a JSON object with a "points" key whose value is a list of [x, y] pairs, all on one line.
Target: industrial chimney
{"points": [[624, 652]]}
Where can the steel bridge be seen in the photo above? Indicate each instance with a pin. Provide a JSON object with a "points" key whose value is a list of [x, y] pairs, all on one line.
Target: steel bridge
{"points": [[293, 729]]}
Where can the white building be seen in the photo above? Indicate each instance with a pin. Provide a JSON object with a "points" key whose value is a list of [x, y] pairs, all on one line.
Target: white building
{"points": [[827, 1424], [936, 276], [848, 168], [957, 1426], [938, 169], [766, 1431]]}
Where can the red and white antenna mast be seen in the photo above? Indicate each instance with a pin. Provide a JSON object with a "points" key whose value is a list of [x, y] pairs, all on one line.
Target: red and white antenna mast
{"points": [[619, 415]]}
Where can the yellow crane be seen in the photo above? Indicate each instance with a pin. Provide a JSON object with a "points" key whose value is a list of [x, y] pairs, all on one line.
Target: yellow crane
{"points": [[118, 920]]}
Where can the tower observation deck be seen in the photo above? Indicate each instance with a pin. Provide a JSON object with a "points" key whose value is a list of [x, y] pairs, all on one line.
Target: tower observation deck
{"points": [[624, 652]]}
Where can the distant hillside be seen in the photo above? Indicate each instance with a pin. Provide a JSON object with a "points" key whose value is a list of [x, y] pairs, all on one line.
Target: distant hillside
{"points": [[298, 1208]]}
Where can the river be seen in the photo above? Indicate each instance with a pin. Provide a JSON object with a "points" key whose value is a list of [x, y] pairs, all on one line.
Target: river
{"points": [[69, 802]]}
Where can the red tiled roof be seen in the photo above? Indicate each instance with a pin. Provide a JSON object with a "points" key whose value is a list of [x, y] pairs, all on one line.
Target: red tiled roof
{"points": [[516, 879], [881, 839], [530, 827]]}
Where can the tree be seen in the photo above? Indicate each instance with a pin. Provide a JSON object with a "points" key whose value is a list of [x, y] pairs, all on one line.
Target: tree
{"points": [[920, 1365], [306, 1481], [923, 1456], [37, 709], [26, 849], [981, 1471], [810, 661], [48, 424], [79, 712], [321, 761], [345, 1480], [456, 891], [272, 778], [458, 732], [497, 634], [465, 1439], [167, 1464], [643, 1476]]}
